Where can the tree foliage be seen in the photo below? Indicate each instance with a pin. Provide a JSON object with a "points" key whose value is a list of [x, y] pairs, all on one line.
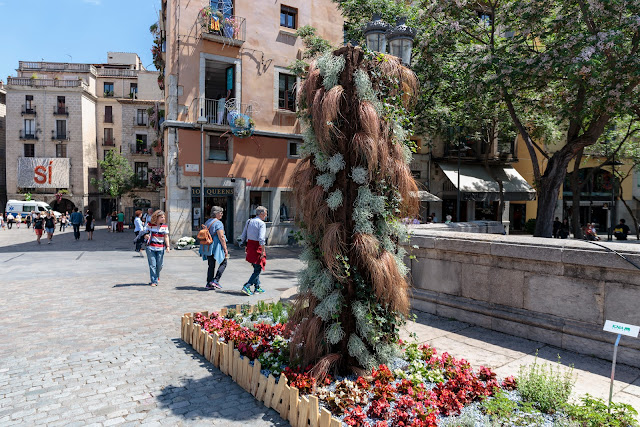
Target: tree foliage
{"points": [[558, 71], [117, 174]]}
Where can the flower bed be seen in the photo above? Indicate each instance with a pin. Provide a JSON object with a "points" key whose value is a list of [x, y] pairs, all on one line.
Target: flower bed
{"points": [[420, 389]]}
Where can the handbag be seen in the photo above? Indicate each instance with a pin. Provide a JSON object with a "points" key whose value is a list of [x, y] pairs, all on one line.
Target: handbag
{"points": [[204, 236]]}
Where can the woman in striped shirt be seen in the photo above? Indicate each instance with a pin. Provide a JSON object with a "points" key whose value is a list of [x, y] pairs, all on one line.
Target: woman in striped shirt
{"points": [[157, 240]]}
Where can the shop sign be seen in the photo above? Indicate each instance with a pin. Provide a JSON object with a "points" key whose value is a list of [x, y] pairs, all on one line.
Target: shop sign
{"points": [[212, 191], [43, 172]]}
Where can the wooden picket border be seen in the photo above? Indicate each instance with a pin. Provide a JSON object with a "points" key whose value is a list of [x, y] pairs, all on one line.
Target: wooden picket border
{"points": [[299, 411]]}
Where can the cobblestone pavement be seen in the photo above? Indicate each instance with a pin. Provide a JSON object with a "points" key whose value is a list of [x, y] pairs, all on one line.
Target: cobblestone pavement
{"points": [[85, 341]]}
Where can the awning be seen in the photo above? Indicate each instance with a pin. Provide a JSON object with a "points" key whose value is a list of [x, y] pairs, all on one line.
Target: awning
{"points": [[477, 184], [425, 196]]}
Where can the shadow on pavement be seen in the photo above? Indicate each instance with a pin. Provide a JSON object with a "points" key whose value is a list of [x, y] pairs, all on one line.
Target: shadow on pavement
{"points": [[215, 396], [126, 285]]}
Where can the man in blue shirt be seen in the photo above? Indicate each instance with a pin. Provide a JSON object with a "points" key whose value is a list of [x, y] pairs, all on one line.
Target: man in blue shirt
{"points": [[76, 221], [254, 234]]}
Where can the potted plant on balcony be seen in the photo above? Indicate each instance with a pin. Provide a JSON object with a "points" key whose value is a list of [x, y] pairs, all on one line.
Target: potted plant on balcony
{"points": [[230, 26]]}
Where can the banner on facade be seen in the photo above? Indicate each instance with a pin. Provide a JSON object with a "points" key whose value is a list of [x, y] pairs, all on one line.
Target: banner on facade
{"points": [[43, 172]]}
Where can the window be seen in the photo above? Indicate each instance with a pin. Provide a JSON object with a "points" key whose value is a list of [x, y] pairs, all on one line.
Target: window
{"points": [[108, 137], [108, 89], [61, 108], [104, 155], [293, 150], [286, 92], [61, 150], [29, 150], [133, 90], [141, 118], [218, 148], [29, 128], [108, 114], [224, 6], [259, 198], [141, 170], [61, 129], [141, 144], [28, 101], [288, 17], [287, 210], [485, 18]]}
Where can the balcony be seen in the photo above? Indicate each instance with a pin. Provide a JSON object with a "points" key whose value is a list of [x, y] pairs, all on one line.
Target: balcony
{"points": [[60, 111], [28, 110], [117, 72], [139, 150], [216, 111], [139, 182], [55, 66], [109, 142], [60, 136], [230, 30], [28, 134], [27, 81]]}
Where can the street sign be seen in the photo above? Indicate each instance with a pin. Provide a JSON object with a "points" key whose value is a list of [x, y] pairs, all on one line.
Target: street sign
{"points": [[621, 328], [192, 167]]}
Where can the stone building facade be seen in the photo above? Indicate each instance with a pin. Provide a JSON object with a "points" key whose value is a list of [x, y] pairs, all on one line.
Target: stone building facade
{"points": [[235, 63], [62, 111]]}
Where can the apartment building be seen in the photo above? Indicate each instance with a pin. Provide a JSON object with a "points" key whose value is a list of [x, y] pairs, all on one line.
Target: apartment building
{"points": [[228, 58], [3, 146], [63, 117]]}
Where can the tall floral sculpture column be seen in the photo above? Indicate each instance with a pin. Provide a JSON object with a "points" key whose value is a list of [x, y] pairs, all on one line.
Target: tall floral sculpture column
{"points": [[352, 188]]}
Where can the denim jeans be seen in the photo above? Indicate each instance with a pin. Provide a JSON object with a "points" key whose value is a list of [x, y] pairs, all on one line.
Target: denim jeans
{"points": [[76, 231], [255, 277], [156, 261]]}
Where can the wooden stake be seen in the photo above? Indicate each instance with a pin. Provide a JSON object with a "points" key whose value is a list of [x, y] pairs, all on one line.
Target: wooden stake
{"points": [[268, 396], [303, 411], [208, 341], [293, 406], [255, 377], [262, 387], [223, 312], [335, 422], [277, 393], [313, 411], [325, 417], [284, 405]]}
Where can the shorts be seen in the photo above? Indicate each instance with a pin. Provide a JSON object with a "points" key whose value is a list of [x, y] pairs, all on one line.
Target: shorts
{"points": [[38, 231], [50, 230]]}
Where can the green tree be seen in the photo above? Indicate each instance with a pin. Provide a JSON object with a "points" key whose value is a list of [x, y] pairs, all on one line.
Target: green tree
{"points": [[117, 175], [561, 70]]}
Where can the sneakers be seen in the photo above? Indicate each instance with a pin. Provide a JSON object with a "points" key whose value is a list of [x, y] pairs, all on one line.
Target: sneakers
{"points": [[246, 290], [258, 290], [213, 285]]}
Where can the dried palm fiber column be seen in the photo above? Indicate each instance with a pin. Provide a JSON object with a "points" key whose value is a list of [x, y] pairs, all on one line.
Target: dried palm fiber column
{"points": [[351, 189]]}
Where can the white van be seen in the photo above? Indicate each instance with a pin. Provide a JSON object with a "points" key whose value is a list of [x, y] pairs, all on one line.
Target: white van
{"points": [[25, 207]]}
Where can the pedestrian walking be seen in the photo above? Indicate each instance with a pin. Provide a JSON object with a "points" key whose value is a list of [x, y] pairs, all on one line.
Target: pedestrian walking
{"points": [[18, 220], [91, 224], [76, 221], [50, 226], [147, 216], [120, 226], [114, 221], [10, 220], [138, 226], [27, 220], [63, 222], [157, 240], [254, 234], [1, 222], [217, 251], [38, 227]]}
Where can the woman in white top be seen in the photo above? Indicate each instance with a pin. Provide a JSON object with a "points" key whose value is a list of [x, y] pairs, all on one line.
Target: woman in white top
{"points": [[137, 222]]}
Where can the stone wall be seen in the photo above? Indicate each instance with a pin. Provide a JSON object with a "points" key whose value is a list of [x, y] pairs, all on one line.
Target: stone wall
{"points": [[558, 292]]}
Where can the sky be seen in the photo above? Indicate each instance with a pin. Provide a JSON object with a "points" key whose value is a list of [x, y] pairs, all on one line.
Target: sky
{"points": [[81, 31]]}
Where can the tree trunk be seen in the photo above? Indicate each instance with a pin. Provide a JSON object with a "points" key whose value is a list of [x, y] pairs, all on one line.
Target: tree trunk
{"points": [[575, 190], [548, 191]]}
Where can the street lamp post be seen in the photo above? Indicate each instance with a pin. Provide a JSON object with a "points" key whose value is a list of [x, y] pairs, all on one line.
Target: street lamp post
{"points": [[400, 37], [202, 119]]}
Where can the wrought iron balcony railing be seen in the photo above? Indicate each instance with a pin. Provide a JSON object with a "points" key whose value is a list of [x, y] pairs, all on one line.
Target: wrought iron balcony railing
{"points": [[60, 136], [227, 30], [109, 142], [61, 111], [28, 134], [139, 150], [216, 111], [28, 110]]}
